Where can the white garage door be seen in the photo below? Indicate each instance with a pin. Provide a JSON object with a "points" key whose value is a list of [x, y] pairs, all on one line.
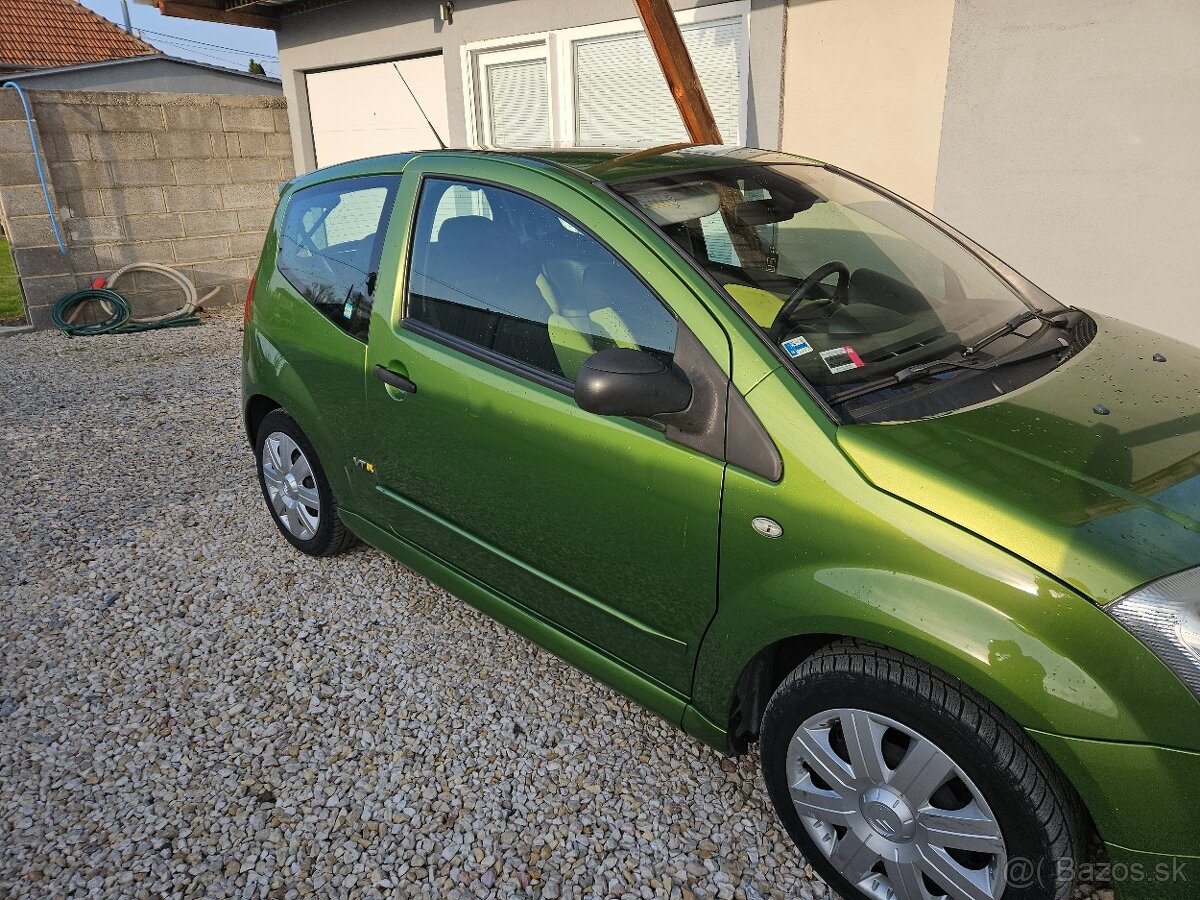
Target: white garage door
{"points": [[366, 111]]}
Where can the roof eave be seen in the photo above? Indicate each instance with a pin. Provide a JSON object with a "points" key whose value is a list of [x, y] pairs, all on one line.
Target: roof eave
{"points": [[215, 11], [252, 13]]}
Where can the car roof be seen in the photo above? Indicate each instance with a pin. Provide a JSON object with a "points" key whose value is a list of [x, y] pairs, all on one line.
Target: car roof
{"points": [[612, 164], [607, 164]]}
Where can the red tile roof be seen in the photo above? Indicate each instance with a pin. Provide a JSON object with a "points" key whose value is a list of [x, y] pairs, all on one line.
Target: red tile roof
{"points": [[38, 34]]}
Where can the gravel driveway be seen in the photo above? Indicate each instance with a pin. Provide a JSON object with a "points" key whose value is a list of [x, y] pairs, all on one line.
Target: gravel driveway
{"points": [[190, 707]]}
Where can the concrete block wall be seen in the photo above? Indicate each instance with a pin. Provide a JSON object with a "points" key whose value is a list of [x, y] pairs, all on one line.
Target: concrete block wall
{"points": [[186, 180]]}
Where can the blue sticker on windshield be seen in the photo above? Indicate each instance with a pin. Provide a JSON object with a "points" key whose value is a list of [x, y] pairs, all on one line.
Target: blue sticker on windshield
{"points": [[797, 346]]}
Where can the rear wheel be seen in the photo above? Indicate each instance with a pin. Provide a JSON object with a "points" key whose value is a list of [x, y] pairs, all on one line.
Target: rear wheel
{"points": [[899, 783], [296, 490]]}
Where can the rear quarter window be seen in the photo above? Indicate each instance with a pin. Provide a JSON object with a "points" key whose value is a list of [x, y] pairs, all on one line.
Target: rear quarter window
{"points": [[330, 243]]}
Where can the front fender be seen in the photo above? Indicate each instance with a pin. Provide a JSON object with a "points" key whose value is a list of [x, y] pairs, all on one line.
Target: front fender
{"points": [[856, 562]]}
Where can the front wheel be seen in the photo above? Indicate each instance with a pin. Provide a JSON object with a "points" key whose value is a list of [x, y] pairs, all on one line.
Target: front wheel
{"points": [[296, 490], [899, 783]]}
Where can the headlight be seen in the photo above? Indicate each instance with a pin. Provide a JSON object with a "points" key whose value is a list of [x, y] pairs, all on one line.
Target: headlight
{"points": [[1165, 616]]}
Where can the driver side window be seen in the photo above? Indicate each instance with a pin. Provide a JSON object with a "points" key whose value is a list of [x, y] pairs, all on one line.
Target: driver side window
{"points": [[502, 272]]}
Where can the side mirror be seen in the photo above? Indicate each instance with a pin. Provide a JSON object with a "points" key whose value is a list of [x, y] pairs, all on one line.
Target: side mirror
{"points": [[621, 382]]}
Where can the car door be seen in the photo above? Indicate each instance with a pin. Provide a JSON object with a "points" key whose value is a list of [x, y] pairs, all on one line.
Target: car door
{"points": [[605, 527]]}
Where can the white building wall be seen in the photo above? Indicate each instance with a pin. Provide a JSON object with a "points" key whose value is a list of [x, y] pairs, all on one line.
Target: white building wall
{"points": [[864, 83], [1069, 147]]}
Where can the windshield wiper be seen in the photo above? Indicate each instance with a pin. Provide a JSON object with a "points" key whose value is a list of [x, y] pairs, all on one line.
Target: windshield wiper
{"points": [[1012, 325], [923, 370]]}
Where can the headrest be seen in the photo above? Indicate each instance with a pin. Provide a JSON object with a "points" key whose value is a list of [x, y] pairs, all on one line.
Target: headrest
{"points": [[478, 232]]}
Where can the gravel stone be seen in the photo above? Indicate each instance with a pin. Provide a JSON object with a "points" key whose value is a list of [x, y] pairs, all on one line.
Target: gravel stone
{"points": [[189, 707]]}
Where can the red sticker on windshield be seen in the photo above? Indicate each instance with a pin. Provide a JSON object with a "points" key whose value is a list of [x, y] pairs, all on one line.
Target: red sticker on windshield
{"points": [[841, 359]]}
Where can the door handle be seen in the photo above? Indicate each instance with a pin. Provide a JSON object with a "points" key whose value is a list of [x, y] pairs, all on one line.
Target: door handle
{"points": [[395, 379]]}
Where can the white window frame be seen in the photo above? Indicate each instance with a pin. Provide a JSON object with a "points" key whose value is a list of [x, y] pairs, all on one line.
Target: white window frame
{"points": [[474, 57], [559, 49]]}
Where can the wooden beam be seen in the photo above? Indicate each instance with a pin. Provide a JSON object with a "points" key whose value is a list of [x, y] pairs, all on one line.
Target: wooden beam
{"points": [[676, 62], [204, 13]]}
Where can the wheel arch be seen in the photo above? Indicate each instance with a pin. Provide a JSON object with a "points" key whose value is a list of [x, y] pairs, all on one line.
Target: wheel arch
{"points": [[257, 408], [761, 676], [1049, 659]]}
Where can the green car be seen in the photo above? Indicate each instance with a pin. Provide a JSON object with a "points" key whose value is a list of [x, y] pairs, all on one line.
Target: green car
{"points": [[786, 460]]}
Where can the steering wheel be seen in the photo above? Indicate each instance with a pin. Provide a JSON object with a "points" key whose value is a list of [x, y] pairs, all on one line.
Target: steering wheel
{"points": [[841, 295]]}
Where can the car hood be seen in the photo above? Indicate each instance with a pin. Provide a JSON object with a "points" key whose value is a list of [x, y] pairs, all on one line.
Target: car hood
{"points": [[1102, 502]]}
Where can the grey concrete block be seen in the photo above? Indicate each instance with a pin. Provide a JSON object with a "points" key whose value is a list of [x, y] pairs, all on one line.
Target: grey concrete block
{"points": [[191, 198], [14, 137], [94, 230], [17, 168], [279, 143], [204, 224], [81, 118], [39, 316], [10, 106], [157, 227], [193, 118], [155, 302], [281, 120], [241, 119], [147, 280], [134, 201], [26, 200], [31, 231], [246, 144], [249, 196], [248, 243], [255, 219], [221, 271], [79, 204], [67, 145], [132, 118], [81, 175], [245, 170], [123, 254], [220, 145], [255, 101], [142, 172], [232, 294], [201, 171], [184, 145], [112, 145], [47, 291], [37, 261], [287, 167], [85, 261], [190, 250]]}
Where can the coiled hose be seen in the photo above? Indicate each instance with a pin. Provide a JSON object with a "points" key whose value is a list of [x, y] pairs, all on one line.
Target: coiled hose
{"points": [[120, 318]]}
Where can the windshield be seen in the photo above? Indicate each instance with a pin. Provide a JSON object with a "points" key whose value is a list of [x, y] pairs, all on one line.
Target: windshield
{"points": [[852, 285]]}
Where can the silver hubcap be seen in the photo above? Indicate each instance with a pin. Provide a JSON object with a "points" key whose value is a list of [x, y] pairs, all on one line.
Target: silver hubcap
{"points": [[892, 812], [291, 487]]}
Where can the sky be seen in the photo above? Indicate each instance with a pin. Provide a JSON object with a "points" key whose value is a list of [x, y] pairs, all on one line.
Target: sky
{"points": [[223, 45]]}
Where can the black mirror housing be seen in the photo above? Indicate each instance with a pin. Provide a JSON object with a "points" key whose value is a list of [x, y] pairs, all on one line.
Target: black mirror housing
{"points": [[623, 382]]}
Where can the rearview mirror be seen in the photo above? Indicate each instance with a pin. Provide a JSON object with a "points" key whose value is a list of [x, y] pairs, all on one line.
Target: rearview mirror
{"points": [[622, 382]]}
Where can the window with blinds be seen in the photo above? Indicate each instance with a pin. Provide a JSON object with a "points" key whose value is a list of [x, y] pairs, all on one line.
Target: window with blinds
{"points": [[622, 99], [601, 85], [519, 103]]}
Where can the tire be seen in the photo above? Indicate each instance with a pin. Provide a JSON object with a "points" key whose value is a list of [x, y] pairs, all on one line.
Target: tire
{"points": [[289, 473], [914, 733]]}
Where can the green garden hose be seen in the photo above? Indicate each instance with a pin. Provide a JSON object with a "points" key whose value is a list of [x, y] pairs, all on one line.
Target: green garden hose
{"points": [[120, 318], [117, 321]]}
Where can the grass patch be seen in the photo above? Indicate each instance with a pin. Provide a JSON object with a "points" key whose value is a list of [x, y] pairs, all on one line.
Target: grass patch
{"points": [[11, 304]]}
